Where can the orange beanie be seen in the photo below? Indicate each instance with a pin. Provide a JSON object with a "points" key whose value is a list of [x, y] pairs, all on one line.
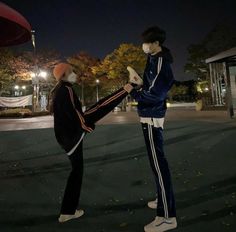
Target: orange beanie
{"points": [[60, 69]]}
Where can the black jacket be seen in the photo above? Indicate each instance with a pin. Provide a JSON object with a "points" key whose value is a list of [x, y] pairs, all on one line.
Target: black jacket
{"points": [[69, 121]]}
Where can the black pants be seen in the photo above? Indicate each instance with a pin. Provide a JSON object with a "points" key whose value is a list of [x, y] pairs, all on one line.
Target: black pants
{"points": [[74, 182], [73, 187], [154, 143]]}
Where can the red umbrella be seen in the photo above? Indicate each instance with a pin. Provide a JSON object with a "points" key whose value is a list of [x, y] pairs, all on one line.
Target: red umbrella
{"points": [[14, 28]]}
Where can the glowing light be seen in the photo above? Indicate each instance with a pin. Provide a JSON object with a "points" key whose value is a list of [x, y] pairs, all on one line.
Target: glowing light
{"points": [[43, 74], [32, 74]]}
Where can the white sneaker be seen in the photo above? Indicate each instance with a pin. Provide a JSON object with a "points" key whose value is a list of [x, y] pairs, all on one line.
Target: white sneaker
{"points": [[152, 204], [134, 77], [161, 224], [67, 217]]}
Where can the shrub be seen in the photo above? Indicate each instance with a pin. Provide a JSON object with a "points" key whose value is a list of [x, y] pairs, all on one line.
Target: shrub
{"points": [[21, 113]]}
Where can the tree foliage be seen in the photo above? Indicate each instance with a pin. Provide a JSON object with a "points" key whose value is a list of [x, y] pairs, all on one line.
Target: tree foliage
{"points": [[6, 77], [178, 90], [114, 65], [82, 64], [221, 38], [24, 63], [17, 66], [185, 90]]}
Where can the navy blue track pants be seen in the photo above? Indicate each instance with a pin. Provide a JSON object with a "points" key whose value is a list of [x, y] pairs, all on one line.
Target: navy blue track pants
{"points": [[154, 142]]}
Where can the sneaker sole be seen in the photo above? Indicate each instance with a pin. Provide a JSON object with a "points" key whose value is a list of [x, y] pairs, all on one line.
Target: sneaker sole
{"points": [[151, 206], [172, 228], [72, 217]]}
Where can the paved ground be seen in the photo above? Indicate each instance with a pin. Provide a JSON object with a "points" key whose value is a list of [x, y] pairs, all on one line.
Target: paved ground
{"points": [[177, 114], [118, 181]]}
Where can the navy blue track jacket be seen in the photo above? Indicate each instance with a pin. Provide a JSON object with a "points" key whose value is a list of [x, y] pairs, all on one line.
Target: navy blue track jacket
{"points": [[157, 81]]}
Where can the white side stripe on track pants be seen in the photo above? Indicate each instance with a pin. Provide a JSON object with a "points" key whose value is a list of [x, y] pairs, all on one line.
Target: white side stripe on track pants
{"points": [[154, 155]]}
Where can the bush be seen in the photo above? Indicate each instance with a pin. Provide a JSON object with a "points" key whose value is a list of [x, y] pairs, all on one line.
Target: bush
{"points": [[21, 113], [18, 112]]}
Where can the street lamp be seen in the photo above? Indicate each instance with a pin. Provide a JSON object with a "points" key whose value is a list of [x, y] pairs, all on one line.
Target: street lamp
{"points": [[16, 92], [23, 87], [43, 74], [97, 82]]}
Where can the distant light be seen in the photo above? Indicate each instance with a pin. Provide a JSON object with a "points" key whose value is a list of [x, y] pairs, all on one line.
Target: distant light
{"points": [[206, 89], [32, 74], [33, 37], [23, 87], [16, 87], [168, 104], [97, 81], [43, 74]]}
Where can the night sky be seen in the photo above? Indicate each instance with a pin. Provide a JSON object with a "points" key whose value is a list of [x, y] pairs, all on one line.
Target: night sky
{"points": [[100, 26]]}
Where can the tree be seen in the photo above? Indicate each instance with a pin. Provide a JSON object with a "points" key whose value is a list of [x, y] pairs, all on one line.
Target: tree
{"points": [[26, 62], [183, 90], [6, 78], [221, 38], [114, 66], [178, 90], [82, 64], [17, 67]]}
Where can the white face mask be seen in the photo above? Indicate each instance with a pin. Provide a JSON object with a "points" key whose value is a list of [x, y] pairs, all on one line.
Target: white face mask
{"points": [[151, 48], [147, 48], [72, 78]]}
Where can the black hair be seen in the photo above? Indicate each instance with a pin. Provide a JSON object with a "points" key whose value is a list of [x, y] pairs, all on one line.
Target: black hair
{"points": [[153, 34]]}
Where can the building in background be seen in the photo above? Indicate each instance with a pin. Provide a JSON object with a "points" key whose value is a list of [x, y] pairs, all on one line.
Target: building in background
{"points": [[223, 79]]}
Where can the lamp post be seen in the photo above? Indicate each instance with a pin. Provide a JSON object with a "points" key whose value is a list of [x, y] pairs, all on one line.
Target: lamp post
{"points": [[35, 81], [23, 89], [35, 88], [16, 87], [97, 83], [34, 74]]}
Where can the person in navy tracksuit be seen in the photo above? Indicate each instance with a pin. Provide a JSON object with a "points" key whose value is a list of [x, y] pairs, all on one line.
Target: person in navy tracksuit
{"points": [[70, 126], [157, 81]]}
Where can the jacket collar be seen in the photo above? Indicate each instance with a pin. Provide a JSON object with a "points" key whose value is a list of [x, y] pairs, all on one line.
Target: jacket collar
{"points": [[66, 83], [165, 53]]}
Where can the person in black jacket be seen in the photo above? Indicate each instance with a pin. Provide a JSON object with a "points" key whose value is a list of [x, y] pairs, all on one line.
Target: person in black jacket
{"points": [[70, 126], [157, 81]]}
